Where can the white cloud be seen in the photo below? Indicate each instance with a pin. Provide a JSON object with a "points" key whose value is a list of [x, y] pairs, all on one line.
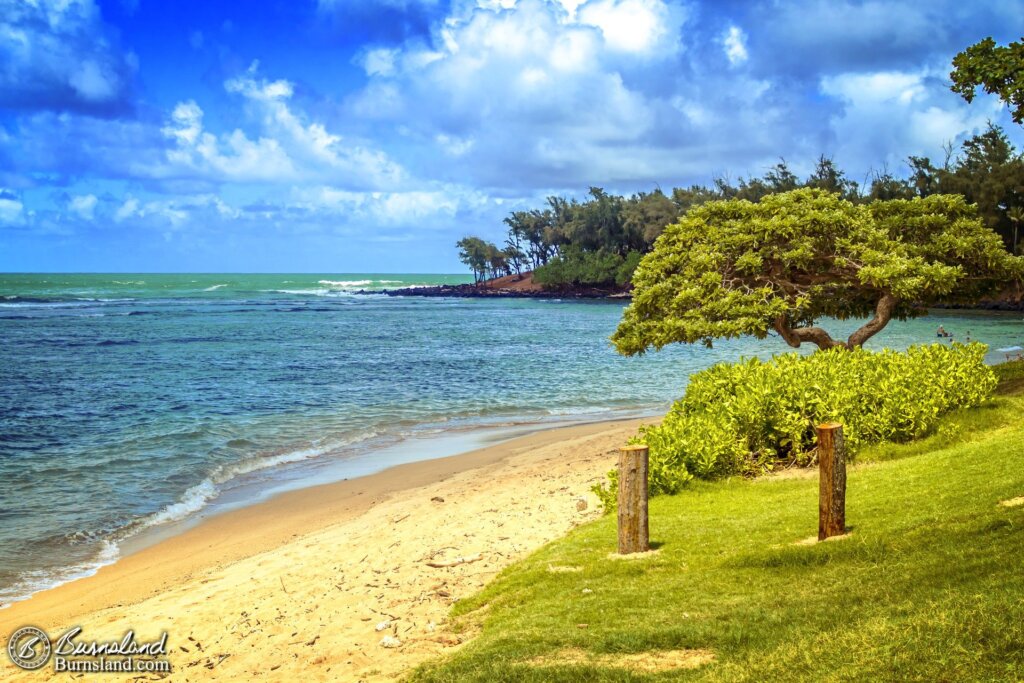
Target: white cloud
{"points": [[379, 62], [83, 206], [878, 88], [11, 208], [642, 27], [229, 157], [128, 209], [59, 55], [888, 115], [735, 44], [289, 146], [529, 82], [259, 89], [435, 206]]}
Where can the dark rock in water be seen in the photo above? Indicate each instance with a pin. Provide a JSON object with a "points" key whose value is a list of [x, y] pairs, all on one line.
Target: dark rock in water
{"points": [[484, 292]]}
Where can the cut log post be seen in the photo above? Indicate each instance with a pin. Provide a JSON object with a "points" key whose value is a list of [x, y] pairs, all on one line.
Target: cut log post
{"points": [[831, 480], [633, 532]]}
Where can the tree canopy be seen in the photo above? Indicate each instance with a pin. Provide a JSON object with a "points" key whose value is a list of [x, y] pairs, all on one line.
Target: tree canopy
{"points": [[598, 240], [998, 70], [735, 267], [485, 259]]}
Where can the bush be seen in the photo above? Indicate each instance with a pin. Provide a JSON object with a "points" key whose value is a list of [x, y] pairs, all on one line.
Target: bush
{"points": [[748, 417], [575, 267]]}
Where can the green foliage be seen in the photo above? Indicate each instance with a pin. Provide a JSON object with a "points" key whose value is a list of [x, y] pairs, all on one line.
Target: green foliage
{"points": [[732, 268], [576, 267], [926, 588], [624, 274], [747, 417], [485, 259], [988, 172], [999, 70]]}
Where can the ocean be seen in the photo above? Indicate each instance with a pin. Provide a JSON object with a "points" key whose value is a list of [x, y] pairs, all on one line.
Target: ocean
{"points": [[132, 402]]}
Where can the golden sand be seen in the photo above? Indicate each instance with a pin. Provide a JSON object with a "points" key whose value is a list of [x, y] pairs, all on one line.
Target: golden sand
{"points": [[336, 582]]}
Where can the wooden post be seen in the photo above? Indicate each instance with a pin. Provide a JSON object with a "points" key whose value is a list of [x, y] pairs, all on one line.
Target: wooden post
{"points": [[831, 480], [633, 532]]}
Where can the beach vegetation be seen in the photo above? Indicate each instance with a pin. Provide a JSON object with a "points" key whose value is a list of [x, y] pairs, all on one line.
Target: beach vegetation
{"points": [[485, 259], [926, 586], [734, 267], [561, 241], [752, 417]]}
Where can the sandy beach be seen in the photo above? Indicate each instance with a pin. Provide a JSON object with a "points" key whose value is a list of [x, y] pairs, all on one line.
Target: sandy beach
{"points": [[309, 583]]}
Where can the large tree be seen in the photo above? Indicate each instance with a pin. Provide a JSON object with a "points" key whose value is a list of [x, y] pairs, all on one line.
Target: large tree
{"points": [[998, 70], [734, 267]]}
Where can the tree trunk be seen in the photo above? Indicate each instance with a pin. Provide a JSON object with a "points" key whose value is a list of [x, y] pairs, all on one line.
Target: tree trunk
{"points": [[883, 314], [798, 335], [794, 336]]}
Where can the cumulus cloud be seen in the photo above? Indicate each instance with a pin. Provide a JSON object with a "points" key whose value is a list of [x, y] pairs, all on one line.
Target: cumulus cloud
{"points": [[289, 147], [58, 55], [233, 156], [11, 208], [454, 113], [641, 27], [888, 115], [735, 44], [127, 210], [431, 206], [530, 91], [83, 206]]}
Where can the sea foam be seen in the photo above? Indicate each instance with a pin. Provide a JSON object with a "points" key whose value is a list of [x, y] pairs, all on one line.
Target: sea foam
{"points": [[33, 581]]}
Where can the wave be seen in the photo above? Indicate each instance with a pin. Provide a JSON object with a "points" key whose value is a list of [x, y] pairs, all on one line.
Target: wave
{"points": [[214, 288], [589, 410], [197, 497], [345, 283], [357, 283], [33, 581], [57, 301], [193, 500]]}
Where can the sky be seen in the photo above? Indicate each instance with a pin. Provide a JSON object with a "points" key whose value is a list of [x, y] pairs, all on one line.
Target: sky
{"points": [[354, 136]]}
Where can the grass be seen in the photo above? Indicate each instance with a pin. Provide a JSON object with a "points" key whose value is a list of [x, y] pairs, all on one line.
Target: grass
{"points": [[929, 586]]}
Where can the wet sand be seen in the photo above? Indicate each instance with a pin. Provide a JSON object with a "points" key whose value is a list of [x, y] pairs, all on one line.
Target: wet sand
{"points": [[334, 582]]}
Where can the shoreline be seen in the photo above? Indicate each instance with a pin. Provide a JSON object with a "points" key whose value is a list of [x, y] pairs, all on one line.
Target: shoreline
{"points": [[471, 291], [262, 484], [161, 585]]}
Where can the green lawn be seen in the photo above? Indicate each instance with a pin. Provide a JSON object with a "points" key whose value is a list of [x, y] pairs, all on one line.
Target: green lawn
{"points": [[929, 586]]}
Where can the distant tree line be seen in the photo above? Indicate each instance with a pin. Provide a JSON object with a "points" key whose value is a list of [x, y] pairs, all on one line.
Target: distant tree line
{"points": [[598, 242]]}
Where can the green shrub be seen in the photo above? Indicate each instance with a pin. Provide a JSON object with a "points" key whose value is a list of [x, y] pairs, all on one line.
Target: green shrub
{"points": [[585, 268], [747, 417], [624, 275]]}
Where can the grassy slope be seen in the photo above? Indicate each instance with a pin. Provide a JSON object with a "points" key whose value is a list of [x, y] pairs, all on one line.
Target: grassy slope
{"points": [[929, 586]]}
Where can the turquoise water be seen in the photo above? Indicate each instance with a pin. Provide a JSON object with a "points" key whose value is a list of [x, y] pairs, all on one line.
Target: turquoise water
{"points": [[130, 401]]}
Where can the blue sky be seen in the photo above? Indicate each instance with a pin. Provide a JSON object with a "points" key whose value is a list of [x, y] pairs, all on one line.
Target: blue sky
{"points": [[356, 136]]}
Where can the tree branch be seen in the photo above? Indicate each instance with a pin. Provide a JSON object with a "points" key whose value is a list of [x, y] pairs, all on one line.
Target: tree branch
{"points": [[796, 336], [883, 314]]}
